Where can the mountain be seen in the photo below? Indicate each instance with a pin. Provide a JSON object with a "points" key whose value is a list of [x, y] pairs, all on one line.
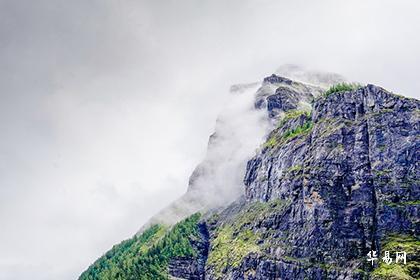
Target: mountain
{"points": [[335, 178], [240, 129]]}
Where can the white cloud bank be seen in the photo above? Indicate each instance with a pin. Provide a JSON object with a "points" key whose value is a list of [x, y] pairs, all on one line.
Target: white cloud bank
{"points": [[106, 106]]}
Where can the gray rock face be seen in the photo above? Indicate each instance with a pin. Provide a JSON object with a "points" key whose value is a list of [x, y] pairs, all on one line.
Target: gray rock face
{"points": [[278, 94], [351, 179], [326, 188], [347, 175], [286, 99], [337, 177], [274, 79]]}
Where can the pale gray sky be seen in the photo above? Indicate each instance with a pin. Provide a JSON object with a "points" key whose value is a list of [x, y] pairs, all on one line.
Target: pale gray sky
{"points": [[106, 105]]}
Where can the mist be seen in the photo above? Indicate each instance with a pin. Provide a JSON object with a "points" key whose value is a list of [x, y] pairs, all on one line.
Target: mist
{"points": [[106, 106], [218, 180]]}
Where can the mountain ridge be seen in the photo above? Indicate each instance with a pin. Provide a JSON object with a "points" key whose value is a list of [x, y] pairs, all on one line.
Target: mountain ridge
{"points": [[226, 144], [336, 177]]}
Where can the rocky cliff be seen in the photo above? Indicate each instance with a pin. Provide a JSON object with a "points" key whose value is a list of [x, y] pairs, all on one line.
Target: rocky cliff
{"points": [[336, 178], [346, 174], [240, 128]]}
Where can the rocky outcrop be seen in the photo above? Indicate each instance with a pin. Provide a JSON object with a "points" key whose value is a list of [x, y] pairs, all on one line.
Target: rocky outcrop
{"points": [[337, 177], [278, 94], [348, 173], [329, 185], [217, 180]]}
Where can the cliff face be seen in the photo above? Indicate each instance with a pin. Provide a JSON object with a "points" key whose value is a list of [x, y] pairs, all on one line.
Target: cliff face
{"points": [[347, 174], [328, 186], [337, 177]]}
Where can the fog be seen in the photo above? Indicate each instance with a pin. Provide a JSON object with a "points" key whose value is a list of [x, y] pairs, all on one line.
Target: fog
{"points": [[218, 180], [106, 106]]}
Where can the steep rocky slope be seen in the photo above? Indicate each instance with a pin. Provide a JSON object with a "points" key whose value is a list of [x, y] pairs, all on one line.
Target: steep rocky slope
{"points": [[240, 128], [337, 177], [347, 175]]}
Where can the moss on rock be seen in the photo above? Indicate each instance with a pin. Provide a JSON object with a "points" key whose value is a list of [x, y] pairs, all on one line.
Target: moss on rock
{"points": [[235, 240], [396, 271]]}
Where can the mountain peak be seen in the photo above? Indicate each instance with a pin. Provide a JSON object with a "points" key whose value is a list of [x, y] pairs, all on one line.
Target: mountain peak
{"points": [[275, 79], [335, 178]]}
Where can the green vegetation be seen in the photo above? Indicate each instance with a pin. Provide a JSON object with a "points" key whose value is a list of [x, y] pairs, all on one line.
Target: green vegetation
{"points": [[274, 139], [293, 114], [393, 271], [236, 239], [295, 168], [146, 256], [341, 87], [303, 129], [402, 203], [228, 248], [271, 142], [300, 130], [384, 172]]}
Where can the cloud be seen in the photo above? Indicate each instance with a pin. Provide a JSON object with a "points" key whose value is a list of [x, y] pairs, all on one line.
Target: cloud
{"points": [[107, 105]]}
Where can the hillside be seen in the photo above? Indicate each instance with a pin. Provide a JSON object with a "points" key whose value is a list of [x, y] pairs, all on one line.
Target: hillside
{"points": [[336, 177]]}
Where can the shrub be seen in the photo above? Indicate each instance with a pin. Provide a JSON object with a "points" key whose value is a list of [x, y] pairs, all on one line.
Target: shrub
{"points": [[342, 87], [272, 142], [293, 114], [300, 130]]}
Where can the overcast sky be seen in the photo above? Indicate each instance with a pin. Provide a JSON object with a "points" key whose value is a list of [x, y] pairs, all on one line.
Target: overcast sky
{"points": [[106, 105]]}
